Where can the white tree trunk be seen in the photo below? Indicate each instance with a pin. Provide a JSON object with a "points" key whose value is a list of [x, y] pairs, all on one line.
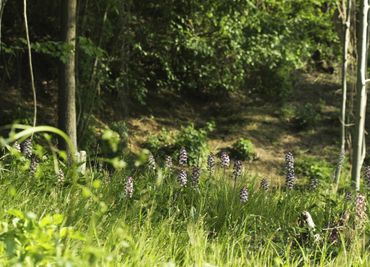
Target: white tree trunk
{"points": [[346, 39], [360, 109]]}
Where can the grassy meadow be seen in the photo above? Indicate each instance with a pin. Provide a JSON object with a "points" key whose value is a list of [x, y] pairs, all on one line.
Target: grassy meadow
{"points": [[101, 219]]}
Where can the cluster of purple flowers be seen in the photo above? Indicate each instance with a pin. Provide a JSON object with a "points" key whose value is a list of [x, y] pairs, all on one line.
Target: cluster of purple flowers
{"points": [[183, 158], [129, 187], [182, 178], [26, 148], [225, 160], [244, 194], [289, 167], [211, 162]]}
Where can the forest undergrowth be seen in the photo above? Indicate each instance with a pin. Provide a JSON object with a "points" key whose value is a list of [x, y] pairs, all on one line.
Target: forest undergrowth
{"points": [[159, 212]]}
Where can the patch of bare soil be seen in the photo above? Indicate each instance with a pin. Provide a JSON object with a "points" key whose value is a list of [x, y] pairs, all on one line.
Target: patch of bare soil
{"points": [[241, 116]]}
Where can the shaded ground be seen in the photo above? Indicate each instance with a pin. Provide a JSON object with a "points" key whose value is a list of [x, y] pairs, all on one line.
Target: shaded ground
{"points": [[236, 116], [241, 116]]}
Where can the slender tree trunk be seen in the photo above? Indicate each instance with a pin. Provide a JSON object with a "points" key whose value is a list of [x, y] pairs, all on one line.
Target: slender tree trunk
{"points": [[67, 79], [30, 65], [360, 109], [346, 39], [2, 7]]}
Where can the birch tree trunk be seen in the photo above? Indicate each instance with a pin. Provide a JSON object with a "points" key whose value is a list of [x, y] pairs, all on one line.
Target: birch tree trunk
{"points": [[360, 109], [67, 79], [346, 39]]}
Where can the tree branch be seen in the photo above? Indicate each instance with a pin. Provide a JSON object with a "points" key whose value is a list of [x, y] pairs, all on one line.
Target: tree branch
{"points": [[30, 64]]}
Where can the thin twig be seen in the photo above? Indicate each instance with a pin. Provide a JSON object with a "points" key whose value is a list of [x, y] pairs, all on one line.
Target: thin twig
{"points": [[30, 64]]}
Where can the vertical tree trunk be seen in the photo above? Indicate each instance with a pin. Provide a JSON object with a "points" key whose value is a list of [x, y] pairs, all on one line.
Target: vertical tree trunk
{"points": [[2, 7], [346, 39], [67, 79], [360, 109]]}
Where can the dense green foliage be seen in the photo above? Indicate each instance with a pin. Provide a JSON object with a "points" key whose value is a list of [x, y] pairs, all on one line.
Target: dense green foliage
{"points": [[192, 139], [301, 116], [132, 47], [243, 149], [313, 167]]}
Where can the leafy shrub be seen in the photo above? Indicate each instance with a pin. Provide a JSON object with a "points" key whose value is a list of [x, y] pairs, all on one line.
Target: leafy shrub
{"points": [[243, 149], [301, 117], [106, 140], [160, 144], [218, 46], [36, 241], [120, 127], [272, 82], [307, 116], [287, 112], [192, 139], [312, 167]]}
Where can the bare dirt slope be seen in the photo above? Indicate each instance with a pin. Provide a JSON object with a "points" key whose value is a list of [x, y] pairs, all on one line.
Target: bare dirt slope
{"points": [[241, 116]]}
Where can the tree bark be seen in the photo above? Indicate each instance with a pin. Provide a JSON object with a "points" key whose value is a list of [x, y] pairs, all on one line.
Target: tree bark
{"points": [[67, 75], [360, 109]]}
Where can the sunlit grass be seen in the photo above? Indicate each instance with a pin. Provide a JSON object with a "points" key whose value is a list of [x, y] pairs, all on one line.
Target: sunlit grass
{"points": [[166, 225]]}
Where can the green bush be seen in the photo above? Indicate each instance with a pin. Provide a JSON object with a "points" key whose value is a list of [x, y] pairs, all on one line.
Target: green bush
{"points": [[302, 117], [311, 167], [120, 127], [27, 239], [195, 141], [287, 112], [160, 144], [192, 139], [307, 116], [272, 82], [243, 149], [99, 138]]}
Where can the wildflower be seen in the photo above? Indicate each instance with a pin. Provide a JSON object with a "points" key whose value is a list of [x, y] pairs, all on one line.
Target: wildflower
{"points": [[151, 162], [244, 194], [225, 160], [183, 158], [33, 164], [237, 172], [211, 163], [264, 184], [195, 176], [348, 196], [26, 148], [182, 178], [289, 166], [129, 188], [361, 216], [60, 177], [314, 182], [367, 176], [168, 162]]}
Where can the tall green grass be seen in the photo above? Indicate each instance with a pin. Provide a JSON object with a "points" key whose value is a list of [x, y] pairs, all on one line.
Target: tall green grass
{"points": [[92, 223]]}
